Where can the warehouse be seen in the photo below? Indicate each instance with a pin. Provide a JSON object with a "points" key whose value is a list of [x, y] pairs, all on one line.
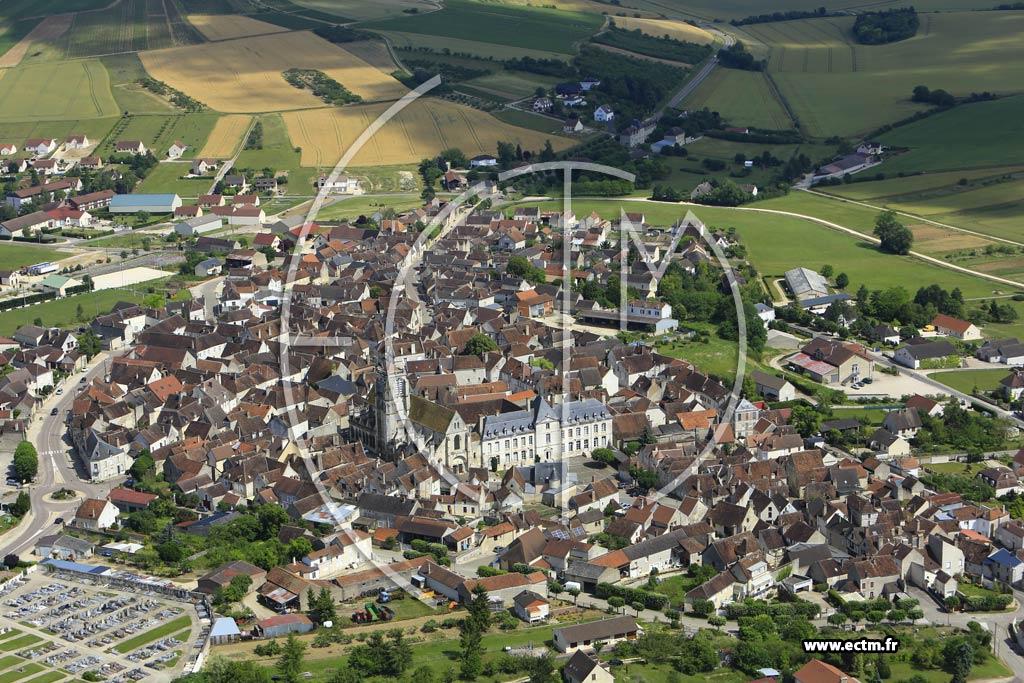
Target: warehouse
{"points": [[198, 225], [282, 625], [150, 203]]}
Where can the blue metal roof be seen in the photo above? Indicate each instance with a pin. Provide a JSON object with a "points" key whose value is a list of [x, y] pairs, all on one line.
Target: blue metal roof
{"points": [[142, 199], [74, 566]]}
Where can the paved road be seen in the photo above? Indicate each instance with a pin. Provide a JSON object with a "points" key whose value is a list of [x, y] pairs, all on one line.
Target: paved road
{"points": [[209, 290], [694, 82], [57, 468]]}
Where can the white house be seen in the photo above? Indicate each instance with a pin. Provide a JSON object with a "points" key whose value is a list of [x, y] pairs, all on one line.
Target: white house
{"points": [[76, 142], [604, 113], [340, 185], [176, 149], [95, 514], [483, 160], [8, 149], [40, 146]]}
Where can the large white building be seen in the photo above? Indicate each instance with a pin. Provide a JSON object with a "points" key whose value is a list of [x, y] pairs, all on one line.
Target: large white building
{"points": [[545, 433]]}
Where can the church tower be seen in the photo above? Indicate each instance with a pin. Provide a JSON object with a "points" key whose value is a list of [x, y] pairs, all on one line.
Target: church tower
{"points": [[388, 391]]}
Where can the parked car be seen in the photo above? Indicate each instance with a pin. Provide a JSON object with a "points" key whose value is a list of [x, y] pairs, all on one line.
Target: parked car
{"points": [[83, 380], [55, 411]]}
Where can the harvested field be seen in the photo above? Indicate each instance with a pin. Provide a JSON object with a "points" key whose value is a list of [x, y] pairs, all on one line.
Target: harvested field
{"points": [[422, 129], [226, 136], [933, 239], [226, 26], [244, 75], [662, 27], [637, 55], [49, 29]]}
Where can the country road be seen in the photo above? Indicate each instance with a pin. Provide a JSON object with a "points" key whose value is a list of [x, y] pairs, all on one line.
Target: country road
{"points": [[699, 78]]}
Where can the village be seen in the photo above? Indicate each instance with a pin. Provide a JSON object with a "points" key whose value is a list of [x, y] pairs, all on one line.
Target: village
{"points": [[311, 426]]}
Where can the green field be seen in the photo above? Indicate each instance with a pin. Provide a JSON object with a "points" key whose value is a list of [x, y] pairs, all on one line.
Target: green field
{"points": [[513, 83], [352, 208], [743, 98], [359, 10], [917, 185], [278, 153], [166, 178], [776, 243], [26, 671], [48, 677], [525, 119], [534, 27], [968, 136], [56, 92], [62, 312], [836, 86], [14, 255], [157, 132], [20, 131], [125, 72], [13, 32], [737, 9], [162, 631], [128, 26], [22, 641], [22, 9], [967, 380]]}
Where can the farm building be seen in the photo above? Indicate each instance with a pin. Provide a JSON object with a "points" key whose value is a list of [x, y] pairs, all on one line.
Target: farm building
{"points": [[918, 351], [607, 631], [59, 284], [150, 203], [282, 625], [1005, 351], [806, 284], [221, 576], [224, 630], [208, 267], [954, 327], [847, 165], [16, 227], [483, 160], [340, 185], [198, 225]]}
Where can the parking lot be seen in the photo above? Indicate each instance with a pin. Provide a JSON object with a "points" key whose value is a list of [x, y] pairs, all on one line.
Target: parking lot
{"points": [[55, 629]]}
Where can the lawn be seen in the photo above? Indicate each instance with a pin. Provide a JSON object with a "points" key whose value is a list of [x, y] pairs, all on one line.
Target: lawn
{"points": [[26, 670], [534, 27], [967, 380], [48, 677], [716, 356], [873, 415], [662, 673], [62, 312], [676, 587], [730, 92], [166, 177], [10, 634], [9, 660], [21, 641], [350, 209], [968, 136], [162, 631], [14, 255]]}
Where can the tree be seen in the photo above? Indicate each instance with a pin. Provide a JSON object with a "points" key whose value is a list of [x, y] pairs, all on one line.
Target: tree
{"points": [[542, 669], [895, 238], [471, 655], [480, 609], [293, 653], [842, 281], [882, 668], [479, 344], [638, 606], [171, 552], [89, 344], [605, 456], [952, 603], [827, 271], [575, 593], [21, 506], [957, 659], [26, 462], [321, 607], [144, 466], [616, 602]]}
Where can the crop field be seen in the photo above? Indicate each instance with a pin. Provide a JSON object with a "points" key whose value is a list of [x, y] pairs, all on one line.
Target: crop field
{"points": [[971, 136], [54, 92], [226, 136], [666, 27], [244, 75], [525, 119], [125, 71], [743, 98], [737, 9], [916, 185], [226, 26], [360, 10], [422, 129], [473, 47], [49, 29], [15, 10], [127, 26], [838, 87], [373, 52], [534, 27], [515, 85], [158, 132]]}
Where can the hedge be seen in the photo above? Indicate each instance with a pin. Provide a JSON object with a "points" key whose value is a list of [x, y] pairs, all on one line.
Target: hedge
{"points": [[987, 603], [753, 608], [8, 304], [650, 600]]}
